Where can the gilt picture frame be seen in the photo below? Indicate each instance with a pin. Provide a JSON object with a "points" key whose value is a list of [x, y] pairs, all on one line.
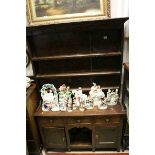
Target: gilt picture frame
{"points": [[40, 12]]}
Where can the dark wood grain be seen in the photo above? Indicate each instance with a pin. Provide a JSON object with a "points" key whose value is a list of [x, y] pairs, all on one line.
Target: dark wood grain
{"points": [[125, 102], [126, 65], [115, 110], [87, 55], [32, 134], [78, 54]]}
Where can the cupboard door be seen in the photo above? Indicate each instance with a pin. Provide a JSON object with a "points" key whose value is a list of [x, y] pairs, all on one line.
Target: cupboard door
{"points": [[54, 137], [107, 137]]}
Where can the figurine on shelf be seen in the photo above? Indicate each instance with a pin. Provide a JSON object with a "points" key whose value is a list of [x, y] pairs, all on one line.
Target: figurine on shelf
{"points": [[62, 97], [46, 106], [49, 97], [79, 99], [113, 98], [89, 103], [69, 100], [83, 102], [77, 96], [108, 95], [103, 105], [96, 94], [82, 107]]}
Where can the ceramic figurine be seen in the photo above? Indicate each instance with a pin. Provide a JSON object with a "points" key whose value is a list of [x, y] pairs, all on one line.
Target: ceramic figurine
{"points": [[69, 100], [114, 98], [74, 107], [96, 94], [65, 98], [49, 97], [109, 95], [46, 106], [89, 103], [82, 107], [79, 99], [103, 105], [116, 95], [77, 96]]}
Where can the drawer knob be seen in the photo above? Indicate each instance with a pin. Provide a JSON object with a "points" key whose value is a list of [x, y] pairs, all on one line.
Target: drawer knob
{"points": [[107, 120], [78, 121]]}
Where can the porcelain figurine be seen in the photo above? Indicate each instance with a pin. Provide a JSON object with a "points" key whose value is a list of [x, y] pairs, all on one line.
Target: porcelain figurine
{"points": [[89, 103], [79, 99], [65, 98], [69, 96], [69, 105], [108, 98], [49, 97], [103, 105], [46, 106], [96, 94], [77, 96], [82, 107], [114, 98]]}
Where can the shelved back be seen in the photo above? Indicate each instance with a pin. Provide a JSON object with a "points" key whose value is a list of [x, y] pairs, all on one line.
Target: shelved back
{"points": [[78, 53]]}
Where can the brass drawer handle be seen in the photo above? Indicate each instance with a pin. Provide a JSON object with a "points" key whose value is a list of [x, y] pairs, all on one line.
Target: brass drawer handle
{"points": [[78, 121], [107, 120]]}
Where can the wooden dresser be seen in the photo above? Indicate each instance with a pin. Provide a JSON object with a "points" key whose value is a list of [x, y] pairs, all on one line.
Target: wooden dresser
{"points": [[90, 129], [78, 54]]}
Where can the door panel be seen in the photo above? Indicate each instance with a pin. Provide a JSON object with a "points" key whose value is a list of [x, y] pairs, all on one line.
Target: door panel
{"points": [[107, 136], [54, 136]]}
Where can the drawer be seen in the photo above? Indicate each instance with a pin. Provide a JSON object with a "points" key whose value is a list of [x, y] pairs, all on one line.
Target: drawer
{"points": [[106, 120], [80, 120], [51, 121]]}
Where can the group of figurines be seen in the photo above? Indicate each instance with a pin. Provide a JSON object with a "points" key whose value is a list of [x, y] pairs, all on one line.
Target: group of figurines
{"points": [[66, 100]]}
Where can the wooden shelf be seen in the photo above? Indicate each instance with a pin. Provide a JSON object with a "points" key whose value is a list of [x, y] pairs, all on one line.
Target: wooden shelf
{"points": [[75, 56], [77, 74]]}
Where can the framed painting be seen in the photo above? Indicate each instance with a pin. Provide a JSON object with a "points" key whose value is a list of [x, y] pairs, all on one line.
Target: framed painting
{"points": [[55, 11]]}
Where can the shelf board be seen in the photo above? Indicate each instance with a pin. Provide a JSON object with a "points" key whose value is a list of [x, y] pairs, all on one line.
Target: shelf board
{"points": [[77, 74], [75, 56]]}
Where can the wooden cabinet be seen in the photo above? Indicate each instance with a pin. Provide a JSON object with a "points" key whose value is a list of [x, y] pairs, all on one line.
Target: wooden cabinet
{"points": [[78, 54], [91, 129]]}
